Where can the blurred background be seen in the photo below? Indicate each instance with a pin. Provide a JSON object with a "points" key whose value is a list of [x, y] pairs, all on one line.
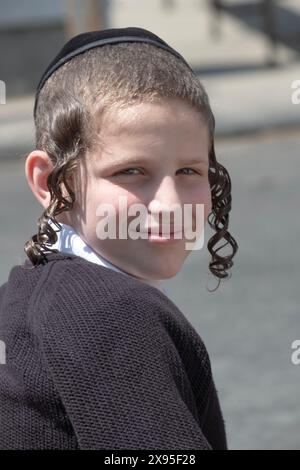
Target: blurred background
{"points": [[247, 56]]}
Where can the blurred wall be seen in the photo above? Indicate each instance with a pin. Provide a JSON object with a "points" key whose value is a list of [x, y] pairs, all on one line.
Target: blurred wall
{"points": [[32, 32]]}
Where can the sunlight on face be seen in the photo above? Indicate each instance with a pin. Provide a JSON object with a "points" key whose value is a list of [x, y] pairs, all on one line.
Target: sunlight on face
{"points": [[151, 153]]}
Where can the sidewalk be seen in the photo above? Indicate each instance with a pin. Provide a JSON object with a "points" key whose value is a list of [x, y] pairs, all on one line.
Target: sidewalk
{"points": [[251, 98]]}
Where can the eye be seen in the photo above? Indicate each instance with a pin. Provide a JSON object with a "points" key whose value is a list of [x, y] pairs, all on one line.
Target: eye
{"points": [[195, 172], [123, 172]]}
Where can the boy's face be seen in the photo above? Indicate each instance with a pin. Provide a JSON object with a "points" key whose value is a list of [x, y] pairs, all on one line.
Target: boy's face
{"points": [[146, 155]]}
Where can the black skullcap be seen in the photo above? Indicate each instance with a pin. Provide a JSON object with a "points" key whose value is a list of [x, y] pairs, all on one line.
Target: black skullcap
{"points": [[85, 41]]}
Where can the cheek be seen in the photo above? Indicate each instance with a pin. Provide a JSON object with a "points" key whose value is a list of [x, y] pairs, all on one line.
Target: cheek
{"points": [[207, 202], [202, 195], [104, 192]]}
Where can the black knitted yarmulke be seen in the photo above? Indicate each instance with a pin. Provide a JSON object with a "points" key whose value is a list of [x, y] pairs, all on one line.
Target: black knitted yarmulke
{"points": [[88, 40]]}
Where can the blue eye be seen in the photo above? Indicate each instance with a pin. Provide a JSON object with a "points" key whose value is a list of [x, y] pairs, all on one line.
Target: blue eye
{"points": [[123, 172], [195, 172]]}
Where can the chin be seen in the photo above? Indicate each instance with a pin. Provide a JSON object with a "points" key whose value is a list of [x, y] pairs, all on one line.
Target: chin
{"points": [[164, 272]]}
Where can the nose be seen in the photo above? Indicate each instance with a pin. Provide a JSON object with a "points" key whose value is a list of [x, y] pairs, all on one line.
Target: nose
{"points": [[165, 203], [165, 196]]}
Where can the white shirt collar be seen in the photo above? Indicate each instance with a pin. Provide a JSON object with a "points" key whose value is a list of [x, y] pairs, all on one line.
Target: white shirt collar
{"points": [[68, 241]]}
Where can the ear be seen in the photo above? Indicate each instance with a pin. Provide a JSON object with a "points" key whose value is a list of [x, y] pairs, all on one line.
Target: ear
{"points": [[37, 168]]}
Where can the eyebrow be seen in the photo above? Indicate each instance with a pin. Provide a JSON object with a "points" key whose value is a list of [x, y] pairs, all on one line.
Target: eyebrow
{"points": [[143, 160]]}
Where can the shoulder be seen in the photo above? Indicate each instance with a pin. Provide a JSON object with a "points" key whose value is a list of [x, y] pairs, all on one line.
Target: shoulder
{"points": [[74, 290], [121, 299], [79, 299], [74, 277], [77, 279]]}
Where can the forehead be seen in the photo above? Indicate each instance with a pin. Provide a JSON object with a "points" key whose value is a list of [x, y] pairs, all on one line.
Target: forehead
{"points": [[167, 124], [147, 115]]}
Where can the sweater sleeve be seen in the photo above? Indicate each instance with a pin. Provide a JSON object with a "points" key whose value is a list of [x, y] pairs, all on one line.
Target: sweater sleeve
{"points": [[111, 362]]}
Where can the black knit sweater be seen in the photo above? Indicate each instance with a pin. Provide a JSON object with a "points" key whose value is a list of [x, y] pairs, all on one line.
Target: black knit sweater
{"points": [[96, 359]]}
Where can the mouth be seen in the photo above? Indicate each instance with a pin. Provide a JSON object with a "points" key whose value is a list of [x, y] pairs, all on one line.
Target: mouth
{"points": [[160, 232], [161, 236]]}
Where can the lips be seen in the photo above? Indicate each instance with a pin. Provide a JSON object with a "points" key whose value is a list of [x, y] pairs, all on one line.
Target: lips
{"points": [[161, 231]]}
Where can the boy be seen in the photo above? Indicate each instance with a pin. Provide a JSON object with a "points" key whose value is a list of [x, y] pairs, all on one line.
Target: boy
{"points": [[97, 359]]}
